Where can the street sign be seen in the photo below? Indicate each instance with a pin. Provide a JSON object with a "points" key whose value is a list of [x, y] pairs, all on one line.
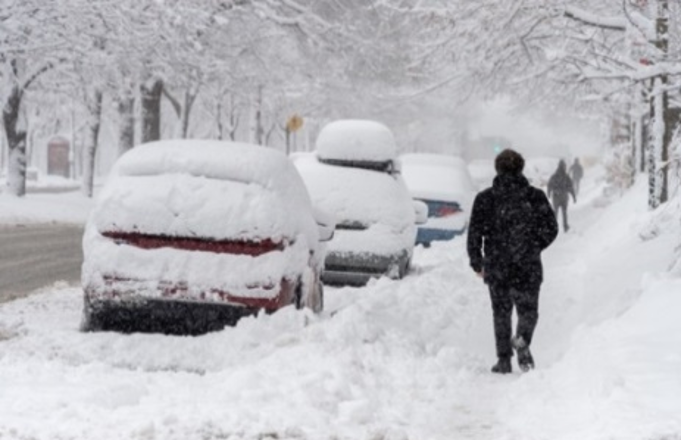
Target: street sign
{"points": [[294, 123]]}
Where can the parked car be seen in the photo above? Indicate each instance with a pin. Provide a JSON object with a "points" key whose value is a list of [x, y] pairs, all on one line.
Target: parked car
{"points": [[354, 176], [444, 184], [188, 236]]}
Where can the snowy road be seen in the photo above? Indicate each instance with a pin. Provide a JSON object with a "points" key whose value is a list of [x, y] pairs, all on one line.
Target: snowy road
{"points": [[404, 360], [34, 256]]}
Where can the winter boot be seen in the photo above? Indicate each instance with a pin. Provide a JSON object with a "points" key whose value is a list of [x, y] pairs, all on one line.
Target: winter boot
{"points": [[503, 366], [525, 360]]}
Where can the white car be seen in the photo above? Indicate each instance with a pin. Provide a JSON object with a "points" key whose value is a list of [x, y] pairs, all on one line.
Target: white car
{"points": [[445, 185], [188, 236], [353, 175]]}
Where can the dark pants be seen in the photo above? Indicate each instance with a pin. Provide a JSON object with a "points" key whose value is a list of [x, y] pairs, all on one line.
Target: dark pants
{"points": [[526, 303], [562, 206]]}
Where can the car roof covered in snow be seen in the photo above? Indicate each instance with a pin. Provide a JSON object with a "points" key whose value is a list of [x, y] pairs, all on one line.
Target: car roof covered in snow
{"points": [[213, 159], [440, 177], [356, 140]]}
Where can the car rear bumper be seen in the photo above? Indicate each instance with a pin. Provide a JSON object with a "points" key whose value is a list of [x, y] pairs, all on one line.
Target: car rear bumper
{"points": [[161, 316], [160, 307], [346, 278], [358, 269]]}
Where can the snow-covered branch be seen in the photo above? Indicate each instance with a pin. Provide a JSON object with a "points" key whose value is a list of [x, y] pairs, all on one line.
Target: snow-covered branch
{"points": [[590, 19]]}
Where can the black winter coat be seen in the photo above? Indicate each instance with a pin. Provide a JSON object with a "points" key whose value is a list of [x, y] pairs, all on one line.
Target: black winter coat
{"points": [[511, 224], [560, 186]]}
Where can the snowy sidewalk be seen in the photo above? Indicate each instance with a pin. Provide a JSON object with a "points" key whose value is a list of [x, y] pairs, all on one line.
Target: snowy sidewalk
{"points": [[392, 361]]}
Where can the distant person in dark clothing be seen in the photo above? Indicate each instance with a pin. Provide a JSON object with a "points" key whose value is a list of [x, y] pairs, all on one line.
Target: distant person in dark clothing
{"points": [[511, 224], [576, 173], [559, 188]]}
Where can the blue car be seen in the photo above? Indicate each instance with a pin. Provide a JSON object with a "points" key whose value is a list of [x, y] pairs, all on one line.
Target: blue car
{"points": [[439, 227], [444, 184]]}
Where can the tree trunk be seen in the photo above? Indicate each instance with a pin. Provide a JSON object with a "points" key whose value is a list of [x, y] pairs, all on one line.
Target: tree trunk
{"points": [[218, 118], [233, 119], [151, 111], [94, 123], [16, 143], [189, 99], [126, 129], [662, 124], [257, 130]]}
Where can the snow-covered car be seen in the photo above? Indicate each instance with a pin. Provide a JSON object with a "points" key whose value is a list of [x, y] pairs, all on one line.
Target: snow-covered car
{"points": [[443, 183], [353, 175], [538, 170], [188, 236]]}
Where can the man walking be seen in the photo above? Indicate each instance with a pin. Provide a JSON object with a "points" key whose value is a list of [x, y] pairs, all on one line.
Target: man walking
{"points": [[576, 173], [559, 188], [511, 224]]}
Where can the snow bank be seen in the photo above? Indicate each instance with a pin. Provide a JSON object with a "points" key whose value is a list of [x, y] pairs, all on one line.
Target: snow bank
{"points": [[618, 380], [356, 140]]}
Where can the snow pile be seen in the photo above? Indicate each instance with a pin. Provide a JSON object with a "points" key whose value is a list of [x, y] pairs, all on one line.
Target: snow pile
{"points": [[618, 380], [356, 140], [374, 200], [202, 189]]}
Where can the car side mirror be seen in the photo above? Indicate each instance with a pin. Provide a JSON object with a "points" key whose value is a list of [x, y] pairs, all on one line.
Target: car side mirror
{"points": [[421, 211], [326, 224]]}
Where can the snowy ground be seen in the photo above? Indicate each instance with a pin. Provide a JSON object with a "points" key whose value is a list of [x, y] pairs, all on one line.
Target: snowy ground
{"points": [[54, 200], [393, 361]]}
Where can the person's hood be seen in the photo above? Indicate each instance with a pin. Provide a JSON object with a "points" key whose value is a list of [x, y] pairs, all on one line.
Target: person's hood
{"points": [[504, 183]]}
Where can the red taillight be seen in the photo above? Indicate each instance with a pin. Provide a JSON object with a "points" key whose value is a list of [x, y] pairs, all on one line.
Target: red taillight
{"points": [[148, 241], [446, 211]]}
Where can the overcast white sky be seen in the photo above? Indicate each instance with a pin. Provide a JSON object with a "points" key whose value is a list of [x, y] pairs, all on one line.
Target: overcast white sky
{"points": [[538, 134]]}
